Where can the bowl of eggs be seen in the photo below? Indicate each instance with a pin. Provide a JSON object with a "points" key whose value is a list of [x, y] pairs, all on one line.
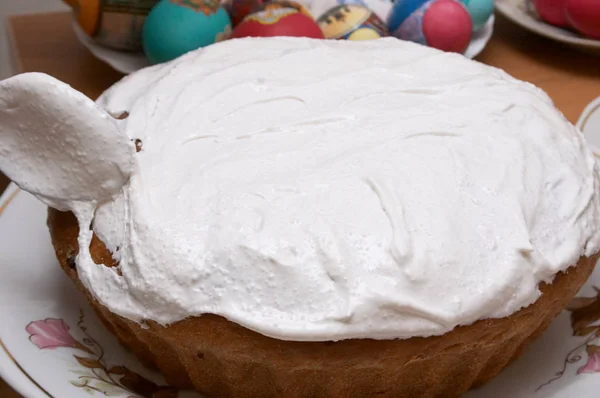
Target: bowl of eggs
{"points": [[572, 22], [139, 33]]}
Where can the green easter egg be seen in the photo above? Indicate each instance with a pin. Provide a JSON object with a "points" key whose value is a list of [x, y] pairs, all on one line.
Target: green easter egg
{"points": [[480, 11], [175, 27]]}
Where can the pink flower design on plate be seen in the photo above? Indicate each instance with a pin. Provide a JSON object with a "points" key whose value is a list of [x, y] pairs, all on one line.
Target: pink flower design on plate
{"points": [[585, 322], [593, 363], [51, 333], [97, 375]]}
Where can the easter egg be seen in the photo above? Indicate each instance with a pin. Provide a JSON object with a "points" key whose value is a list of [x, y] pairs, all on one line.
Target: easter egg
{"points": [[442, 24], [117, 26], [447, 26], [552, 11], [480, 11], [87, 14], [271, 5], [402, 10], [239, 9], [381, 8], [175, 27], [352, 22], [584, 16], [278, 22]]}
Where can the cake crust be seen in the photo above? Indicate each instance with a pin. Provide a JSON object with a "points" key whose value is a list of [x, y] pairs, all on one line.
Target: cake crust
{"points": [[223, 359]]}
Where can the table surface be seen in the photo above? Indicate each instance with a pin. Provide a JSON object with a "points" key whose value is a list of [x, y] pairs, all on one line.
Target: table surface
{"points": [[46, 43]]}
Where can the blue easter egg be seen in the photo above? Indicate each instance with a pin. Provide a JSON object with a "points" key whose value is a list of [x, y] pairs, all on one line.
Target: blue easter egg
{"points": [[411, 27], [174, 27], [401, 10], [480, 11]]}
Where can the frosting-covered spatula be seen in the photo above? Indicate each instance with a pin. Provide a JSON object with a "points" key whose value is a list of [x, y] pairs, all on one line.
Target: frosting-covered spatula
{"points": [[57, 144]]}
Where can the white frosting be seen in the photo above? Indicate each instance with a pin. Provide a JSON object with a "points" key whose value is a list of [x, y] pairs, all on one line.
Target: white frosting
{"points": [[325, 190]]}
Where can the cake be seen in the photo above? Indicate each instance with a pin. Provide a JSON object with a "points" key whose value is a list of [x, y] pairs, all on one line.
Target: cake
{"points": [[305, 218]]}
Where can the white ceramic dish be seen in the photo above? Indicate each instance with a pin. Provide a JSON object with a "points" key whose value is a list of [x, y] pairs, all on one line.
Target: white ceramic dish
{"points": [[130, 62], [522, 13], [121, 61], [480, 39], [52, 345]]}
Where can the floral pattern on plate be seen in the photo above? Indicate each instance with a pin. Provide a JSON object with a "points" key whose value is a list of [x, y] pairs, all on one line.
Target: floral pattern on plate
{"points": [[585, 322], [94, 373]]}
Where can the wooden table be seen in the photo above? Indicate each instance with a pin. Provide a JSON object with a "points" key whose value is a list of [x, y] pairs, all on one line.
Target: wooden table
{"points": [[46, 43]]}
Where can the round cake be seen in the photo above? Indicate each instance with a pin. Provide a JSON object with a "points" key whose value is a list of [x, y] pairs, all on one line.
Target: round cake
{"points": [[307, 218]]}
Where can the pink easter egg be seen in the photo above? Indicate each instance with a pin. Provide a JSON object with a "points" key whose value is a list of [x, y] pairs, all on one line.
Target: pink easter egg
{"points": [[447, 26], [552, 11], [584, 16]]}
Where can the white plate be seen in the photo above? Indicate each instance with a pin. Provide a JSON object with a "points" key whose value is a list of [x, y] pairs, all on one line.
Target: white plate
{"points": [[480, 38], [521, 12], [40, 309], [121, 61], [126, 63], [46, 324]]}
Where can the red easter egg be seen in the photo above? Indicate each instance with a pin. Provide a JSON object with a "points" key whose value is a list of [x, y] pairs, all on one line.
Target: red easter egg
{"points": [[584, 16], [239, 9], [270, 4], [552, 11], [447, 26], [278, 22]]}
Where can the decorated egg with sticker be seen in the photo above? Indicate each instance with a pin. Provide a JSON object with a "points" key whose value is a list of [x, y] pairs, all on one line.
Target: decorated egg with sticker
{"points": [[271, 5], [278, 22], [381, 8], [175, 27], [118, 27], [352, 22], [442, 24], [480, 11]]}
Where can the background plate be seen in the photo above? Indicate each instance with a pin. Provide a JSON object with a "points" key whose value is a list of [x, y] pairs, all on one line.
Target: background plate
{"points": [[522, 13], [121, 61], [130, 62]]}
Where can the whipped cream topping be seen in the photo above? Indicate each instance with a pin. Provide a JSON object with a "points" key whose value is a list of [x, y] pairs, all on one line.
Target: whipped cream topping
{"points": [[325, 190]]}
